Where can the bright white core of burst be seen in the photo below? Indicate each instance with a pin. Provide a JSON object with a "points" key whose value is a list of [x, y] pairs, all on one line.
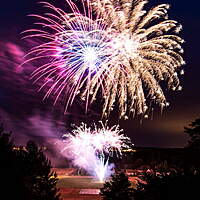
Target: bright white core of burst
{"points": [[90, 56]]}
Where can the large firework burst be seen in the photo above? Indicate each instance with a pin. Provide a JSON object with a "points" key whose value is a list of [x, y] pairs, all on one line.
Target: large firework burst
{"points": [[119, 51]]}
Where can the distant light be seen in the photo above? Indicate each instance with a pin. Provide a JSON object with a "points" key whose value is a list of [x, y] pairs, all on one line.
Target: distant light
{"points": [[129, 150]]}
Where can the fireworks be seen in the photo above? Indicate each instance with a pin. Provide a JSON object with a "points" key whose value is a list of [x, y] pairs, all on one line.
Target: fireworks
{"points": [[113, 49], [91, 149]]}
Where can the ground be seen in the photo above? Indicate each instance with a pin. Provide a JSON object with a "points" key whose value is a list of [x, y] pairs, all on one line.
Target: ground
{"points": [[77, 187]]}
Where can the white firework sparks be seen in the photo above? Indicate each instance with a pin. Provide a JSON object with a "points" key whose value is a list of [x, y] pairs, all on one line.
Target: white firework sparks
{"points": [[114, 48], [148, 55], [91, 149]]}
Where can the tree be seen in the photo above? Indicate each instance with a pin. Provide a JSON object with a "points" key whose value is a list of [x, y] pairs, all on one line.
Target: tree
{"points": [[118, 188], [168, 187], [6, 146], [35, 168], [194, 133], [8, 178], [25, 172]]}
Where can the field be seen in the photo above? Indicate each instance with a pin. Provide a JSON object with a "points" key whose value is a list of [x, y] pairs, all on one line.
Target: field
{"points": [[81, 182], [77, 187]]}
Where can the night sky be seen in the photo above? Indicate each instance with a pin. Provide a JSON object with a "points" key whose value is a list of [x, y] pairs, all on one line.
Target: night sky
{"points": [[25, 113]]}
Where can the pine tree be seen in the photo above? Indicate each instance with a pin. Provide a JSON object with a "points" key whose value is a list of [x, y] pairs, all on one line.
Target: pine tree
{"points": [[168, 187], [25, 172], [194, 133], [36, 171], [6, 146], [11, 185], [119, 188]]}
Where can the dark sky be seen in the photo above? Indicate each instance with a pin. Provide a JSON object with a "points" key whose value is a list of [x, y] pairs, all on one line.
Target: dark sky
{"points": [[23, 111]]}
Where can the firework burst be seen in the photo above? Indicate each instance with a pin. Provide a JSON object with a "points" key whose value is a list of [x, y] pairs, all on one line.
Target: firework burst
{"points": [[90, 149], [113, 49]]}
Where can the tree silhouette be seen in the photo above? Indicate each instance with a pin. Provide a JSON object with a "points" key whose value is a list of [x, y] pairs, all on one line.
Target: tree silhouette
{"points": [[119, 188], [194, 133], [36, 171], [25, 172], [9, 172], [168, 187], [6, 146]]}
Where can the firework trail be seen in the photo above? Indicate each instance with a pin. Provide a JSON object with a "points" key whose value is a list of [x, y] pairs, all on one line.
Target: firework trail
{"points": [[113, 49], [91, 149]]}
